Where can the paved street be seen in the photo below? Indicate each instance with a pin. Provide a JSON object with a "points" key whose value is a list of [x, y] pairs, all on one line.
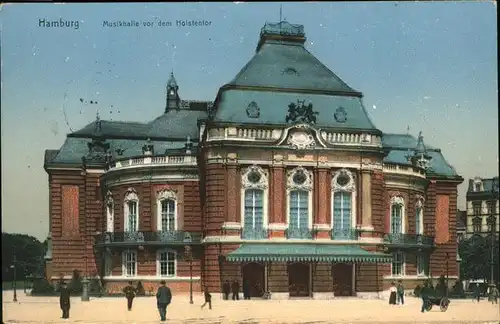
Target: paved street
{"points": [[113, 310]]}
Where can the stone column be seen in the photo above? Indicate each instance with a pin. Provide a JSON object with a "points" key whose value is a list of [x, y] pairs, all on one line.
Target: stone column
{"points": [[366, 199]]}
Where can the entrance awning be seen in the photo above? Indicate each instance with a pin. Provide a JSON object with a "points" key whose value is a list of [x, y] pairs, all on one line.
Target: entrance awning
{"points": [[285, 252]]}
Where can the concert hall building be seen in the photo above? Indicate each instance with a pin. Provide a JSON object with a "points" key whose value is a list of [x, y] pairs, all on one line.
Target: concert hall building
{"points": [[283, 181]]}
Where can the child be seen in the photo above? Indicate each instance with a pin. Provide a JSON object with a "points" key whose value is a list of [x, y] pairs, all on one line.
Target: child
{"points": [[208, 299]]}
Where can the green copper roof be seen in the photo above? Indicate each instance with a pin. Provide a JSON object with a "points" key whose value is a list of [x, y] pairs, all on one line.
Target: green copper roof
{"points": [[283, 252], [74, 148], [400, 145], [273, 108], [288, 65], [176, 124], [114, 128]]}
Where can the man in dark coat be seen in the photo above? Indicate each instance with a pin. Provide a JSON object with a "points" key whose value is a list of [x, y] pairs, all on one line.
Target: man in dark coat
{"points": [[163, 299], [401, 292], [424, 293], [129, 292], [226, 289], [64, 300], [246, 290], [235, 287]]}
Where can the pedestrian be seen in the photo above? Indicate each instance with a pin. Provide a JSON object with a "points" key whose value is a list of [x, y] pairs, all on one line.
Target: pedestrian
{"points": [[424, 293], [246, 290], [64, 300], [235, 287], [129, 292], [163, 299], [494, 294], [477, 293], [401, 292], [392, 296], [226, 289], [208, 299]]}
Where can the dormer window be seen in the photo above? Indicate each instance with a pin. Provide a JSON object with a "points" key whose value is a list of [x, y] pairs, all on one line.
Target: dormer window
{"points": [[477, 187], [290, 71]]}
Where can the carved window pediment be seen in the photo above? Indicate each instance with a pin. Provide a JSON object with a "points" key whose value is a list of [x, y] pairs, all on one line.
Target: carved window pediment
{"points": [[254, 177], [343, 180], [131, 195], [299, 179], [397, 200], [166, 194]]}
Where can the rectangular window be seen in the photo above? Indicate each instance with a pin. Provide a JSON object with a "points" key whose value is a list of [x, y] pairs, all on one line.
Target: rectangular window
{"points": [[166, 263], [418, 220], [396, 219], [342, 210], [108, 265], [491, 208], [132, 216], [476, 208], [299, 209], [476, 225], [254, 209], [110, 218], [168, 215], [397, 266], [129, 259], [422, 265]]}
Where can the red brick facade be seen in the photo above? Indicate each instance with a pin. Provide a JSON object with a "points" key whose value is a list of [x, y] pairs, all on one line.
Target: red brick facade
{"points": [[78, 213]]}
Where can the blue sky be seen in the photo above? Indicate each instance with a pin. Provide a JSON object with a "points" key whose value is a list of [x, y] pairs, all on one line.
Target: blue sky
{"points": [[429, 66]]}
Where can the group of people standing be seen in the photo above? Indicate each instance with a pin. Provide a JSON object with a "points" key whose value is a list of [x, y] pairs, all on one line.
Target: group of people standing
{"points": [[397, 293], [234, 288]]}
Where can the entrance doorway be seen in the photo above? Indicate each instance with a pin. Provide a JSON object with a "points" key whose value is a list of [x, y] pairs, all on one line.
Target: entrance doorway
{"points": [[299, 280], [342, 279], [254, 277]]}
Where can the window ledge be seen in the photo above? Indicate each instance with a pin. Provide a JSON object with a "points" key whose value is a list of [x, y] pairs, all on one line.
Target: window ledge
{"points": [[148, 278]]}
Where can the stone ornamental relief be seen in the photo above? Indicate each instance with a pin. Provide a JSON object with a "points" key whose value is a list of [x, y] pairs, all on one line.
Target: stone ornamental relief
{"points": [[299, 179], [254, 177], [343, 180], [301, 140]]}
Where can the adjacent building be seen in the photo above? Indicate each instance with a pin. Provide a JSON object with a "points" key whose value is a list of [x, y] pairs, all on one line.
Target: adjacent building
{"points": [[283, 182], [482, 207]]}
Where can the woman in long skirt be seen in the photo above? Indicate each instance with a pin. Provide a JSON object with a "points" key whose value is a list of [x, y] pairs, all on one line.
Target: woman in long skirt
{"points": [[392, 297]]}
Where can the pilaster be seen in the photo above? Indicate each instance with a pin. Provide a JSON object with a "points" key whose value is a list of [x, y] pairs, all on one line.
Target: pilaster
{"points": [[232, 215], [277, 219], [366, 200]]}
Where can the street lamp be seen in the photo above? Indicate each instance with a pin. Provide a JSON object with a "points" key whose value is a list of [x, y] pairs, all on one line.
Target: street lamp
{"points": [[13, 266], [188, 255], [447, 258]]}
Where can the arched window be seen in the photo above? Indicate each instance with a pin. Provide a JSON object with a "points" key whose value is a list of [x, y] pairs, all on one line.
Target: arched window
{"points": [[254, 181], [397, 215], [110, 213], [131, 210], [419, 216], [343, 205], [167, 211], [476, 224], [299, 188]]}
